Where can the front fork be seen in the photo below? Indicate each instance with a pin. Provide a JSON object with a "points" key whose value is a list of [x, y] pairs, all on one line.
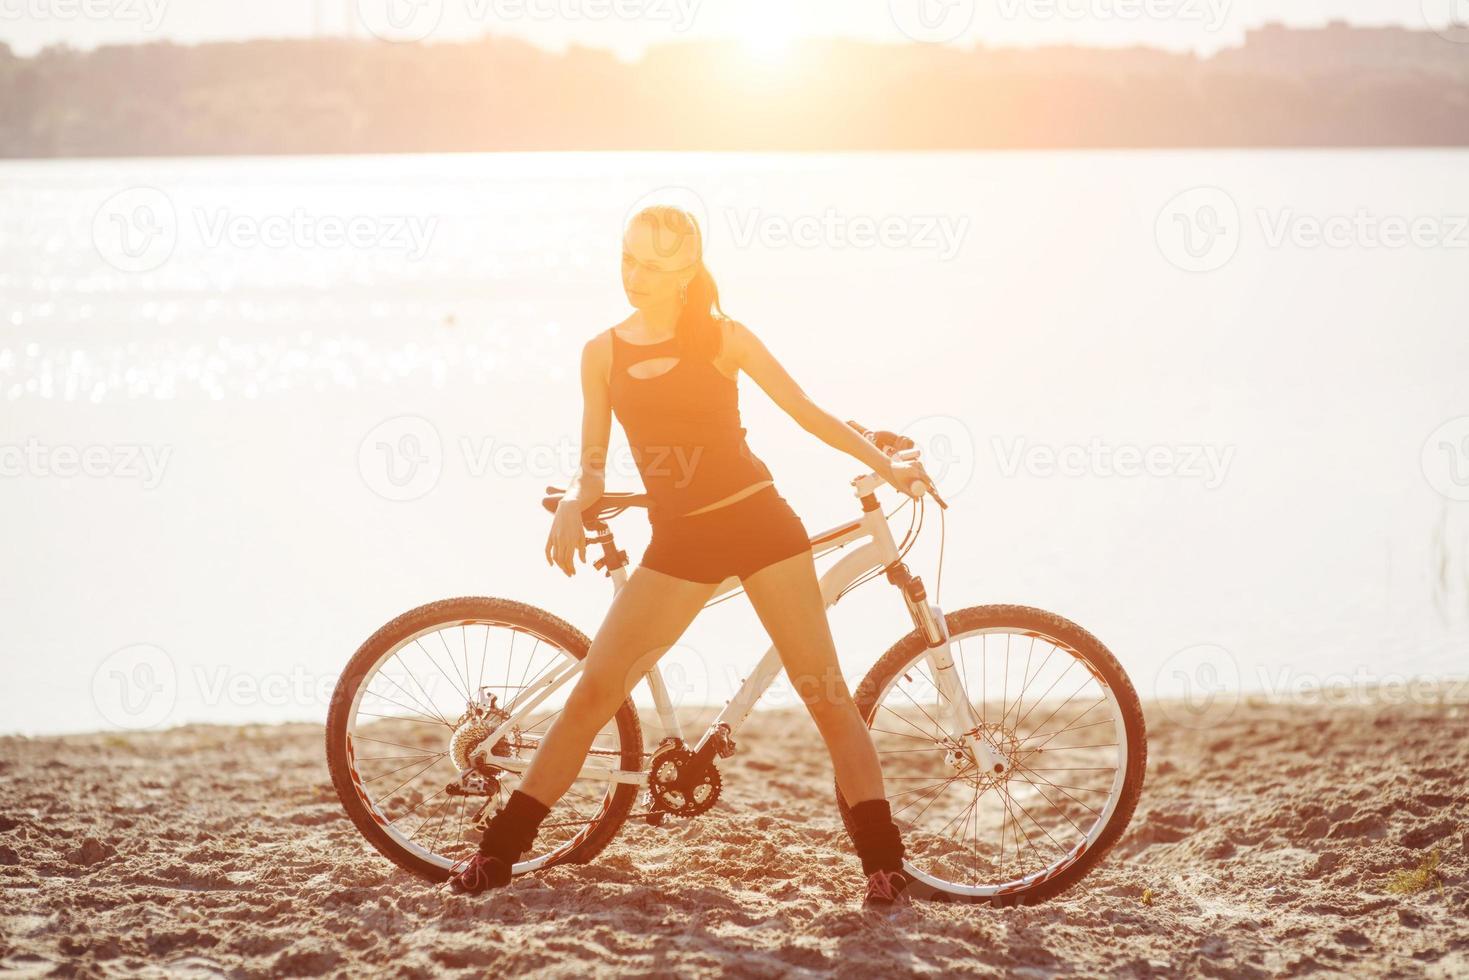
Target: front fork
{"points": [[931, 624]]}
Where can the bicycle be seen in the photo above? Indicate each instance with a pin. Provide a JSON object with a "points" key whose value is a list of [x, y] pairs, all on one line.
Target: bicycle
{"points": [[1011, 752]]}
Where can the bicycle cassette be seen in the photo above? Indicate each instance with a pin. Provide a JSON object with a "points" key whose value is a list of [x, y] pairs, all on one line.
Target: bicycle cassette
{"points": [[675, 787]]}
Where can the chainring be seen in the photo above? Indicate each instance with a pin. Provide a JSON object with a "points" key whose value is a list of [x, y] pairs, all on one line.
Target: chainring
{"points": [[674, 787]]}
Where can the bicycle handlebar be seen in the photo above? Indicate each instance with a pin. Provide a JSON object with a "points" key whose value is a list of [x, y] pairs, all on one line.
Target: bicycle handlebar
{"points": [[899, 447]]}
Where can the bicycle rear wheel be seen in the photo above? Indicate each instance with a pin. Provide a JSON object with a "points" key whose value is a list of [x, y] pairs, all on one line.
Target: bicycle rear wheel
{"points": [[410, 707], [1057, 705]]}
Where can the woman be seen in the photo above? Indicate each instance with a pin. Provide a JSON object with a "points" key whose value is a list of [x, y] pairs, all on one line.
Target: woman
{"points": [[669, 373]]}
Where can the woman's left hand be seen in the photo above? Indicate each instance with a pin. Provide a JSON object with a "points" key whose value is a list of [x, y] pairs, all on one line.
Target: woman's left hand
{"points": [[909, 477]]}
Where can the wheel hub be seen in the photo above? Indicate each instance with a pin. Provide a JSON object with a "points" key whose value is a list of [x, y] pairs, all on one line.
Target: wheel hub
{"points": [[1003, 743]]}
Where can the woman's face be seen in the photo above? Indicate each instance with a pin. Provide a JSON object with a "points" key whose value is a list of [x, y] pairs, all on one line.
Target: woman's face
{"points": [[657, 262]]}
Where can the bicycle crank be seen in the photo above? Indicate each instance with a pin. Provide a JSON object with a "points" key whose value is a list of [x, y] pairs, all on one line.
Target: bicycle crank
{"points": [[679, 785]]}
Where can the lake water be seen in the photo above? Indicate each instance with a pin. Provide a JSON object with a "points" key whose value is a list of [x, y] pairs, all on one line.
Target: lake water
{"points": [[1210, 405]]}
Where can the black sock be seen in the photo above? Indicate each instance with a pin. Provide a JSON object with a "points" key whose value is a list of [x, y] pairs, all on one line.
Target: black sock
{"points": [[513, 829], [876, 837]]}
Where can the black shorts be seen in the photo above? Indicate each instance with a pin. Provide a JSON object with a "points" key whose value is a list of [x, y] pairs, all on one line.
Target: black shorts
{"points": [[737, 539]]}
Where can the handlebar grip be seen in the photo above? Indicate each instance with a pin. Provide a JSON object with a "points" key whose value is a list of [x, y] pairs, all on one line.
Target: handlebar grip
{"points": [[888, 442]]}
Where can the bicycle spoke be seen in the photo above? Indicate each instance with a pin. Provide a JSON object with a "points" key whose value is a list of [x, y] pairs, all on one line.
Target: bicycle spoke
{"points": [[464, 679], [1002, 829], [419, 812]]}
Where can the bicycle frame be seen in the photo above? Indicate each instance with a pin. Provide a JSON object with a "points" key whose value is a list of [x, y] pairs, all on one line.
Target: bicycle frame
{"points": [[876, 550]]}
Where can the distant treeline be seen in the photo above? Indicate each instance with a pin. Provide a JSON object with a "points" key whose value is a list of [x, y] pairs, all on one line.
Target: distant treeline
{"points": [[1337, 86]]}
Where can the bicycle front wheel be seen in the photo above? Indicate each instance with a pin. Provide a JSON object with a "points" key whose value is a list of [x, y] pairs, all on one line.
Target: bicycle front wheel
{"points": [[423, 693], [1056, 706]]}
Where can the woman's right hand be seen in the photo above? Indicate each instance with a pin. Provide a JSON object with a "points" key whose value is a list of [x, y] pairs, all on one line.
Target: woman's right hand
{"points": [[568, 538]]}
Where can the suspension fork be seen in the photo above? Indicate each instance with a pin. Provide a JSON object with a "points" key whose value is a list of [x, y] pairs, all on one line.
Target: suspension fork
{"points": [[929, 620]]}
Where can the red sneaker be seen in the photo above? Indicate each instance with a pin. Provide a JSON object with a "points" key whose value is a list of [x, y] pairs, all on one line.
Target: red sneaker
{"points": [[480, 873], [886, 888]]}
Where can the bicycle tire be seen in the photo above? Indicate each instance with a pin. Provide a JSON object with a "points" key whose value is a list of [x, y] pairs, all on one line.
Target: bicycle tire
{"points": [[962, 621], [452, 612]]}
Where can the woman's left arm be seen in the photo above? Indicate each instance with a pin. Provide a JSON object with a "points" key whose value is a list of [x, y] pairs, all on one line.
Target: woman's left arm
{"points": [[755, 359]]}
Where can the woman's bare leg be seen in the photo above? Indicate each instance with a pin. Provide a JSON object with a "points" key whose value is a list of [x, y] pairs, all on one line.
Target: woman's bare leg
{"points": [[647, 618], [787, 597]]}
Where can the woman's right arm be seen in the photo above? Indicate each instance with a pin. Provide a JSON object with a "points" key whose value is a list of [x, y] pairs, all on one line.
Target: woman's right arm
{"points": [[568, 537]]}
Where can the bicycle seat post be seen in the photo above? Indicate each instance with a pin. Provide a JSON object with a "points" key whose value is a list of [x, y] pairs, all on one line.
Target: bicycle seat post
{"points": [[612, 557]]}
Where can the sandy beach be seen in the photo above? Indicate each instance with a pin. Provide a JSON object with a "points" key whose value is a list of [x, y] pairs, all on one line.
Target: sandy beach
{"points": [[1267, 843]]}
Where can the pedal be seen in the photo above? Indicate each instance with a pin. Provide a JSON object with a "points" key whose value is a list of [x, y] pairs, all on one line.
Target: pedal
{"points": [[724, 743], [655, 819]]}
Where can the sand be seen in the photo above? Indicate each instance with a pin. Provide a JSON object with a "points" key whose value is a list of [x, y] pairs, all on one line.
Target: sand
{"points": [[1264, 845]]}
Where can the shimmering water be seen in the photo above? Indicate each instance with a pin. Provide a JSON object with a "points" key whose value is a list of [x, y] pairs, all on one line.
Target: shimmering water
{"points": [[1225, 445]]}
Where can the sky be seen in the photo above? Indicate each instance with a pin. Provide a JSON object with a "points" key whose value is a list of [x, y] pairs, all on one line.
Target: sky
{"points": [[767, 27]]}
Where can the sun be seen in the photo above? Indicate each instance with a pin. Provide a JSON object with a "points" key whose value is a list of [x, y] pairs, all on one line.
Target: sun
{"points": [[766, 30], [770, 46]]}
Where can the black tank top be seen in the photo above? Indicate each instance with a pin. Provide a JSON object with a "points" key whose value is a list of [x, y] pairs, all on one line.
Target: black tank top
{"points": [[683, 427]]}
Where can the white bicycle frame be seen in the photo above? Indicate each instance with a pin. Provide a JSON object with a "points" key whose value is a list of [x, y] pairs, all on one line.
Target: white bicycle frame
{"points": [[877, 550]]}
